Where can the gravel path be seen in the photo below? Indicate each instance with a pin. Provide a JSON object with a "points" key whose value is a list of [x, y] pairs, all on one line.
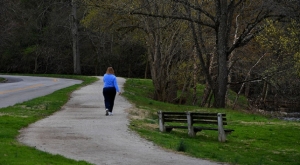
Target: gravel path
{"points": [[81, 131]]}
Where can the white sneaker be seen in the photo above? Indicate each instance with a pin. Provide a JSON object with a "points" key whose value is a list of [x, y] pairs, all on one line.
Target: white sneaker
{"points": [[110, 114]]}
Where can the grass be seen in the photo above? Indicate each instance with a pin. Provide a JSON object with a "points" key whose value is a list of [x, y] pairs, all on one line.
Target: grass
{"points": [[1, 79], [257, 139], [14, 118]]}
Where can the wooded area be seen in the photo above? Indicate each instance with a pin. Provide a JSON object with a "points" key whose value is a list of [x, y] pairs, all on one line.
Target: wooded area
{"points": [[250, 47]]}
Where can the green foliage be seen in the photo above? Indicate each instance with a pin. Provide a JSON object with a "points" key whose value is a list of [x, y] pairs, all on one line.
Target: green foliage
{"points": [[256, 139], [2, 79], [283, 39], [109, 16], [185, 71], [29, 50]]}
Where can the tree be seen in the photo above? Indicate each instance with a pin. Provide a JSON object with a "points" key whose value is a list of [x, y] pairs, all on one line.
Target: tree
{"points": [[75, 38], [281, 79], [165, 42], [37, 38], [164, 39], [219, 15]]}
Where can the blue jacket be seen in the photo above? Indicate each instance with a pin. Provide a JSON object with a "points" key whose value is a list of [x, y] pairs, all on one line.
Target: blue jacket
{"points": [[110, 80]]}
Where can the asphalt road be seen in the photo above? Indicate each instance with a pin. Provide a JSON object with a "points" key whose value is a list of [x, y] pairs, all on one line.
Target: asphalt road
{"points": [[18, 89]]}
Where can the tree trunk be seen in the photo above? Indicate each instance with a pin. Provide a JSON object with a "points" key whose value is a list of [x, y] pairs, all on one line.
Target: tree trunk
{"points": [[146, 69], [195, 70], [247, 89], [76, 56], [165, 87], [206, 94], [208, 87], [221, 43], [231, 57], [264, 92], [36, 65]]}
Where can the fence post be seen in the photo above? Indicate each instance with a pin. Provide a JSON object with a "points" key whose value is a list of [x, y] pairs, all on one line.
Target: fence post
{"points": [[222, 136]]}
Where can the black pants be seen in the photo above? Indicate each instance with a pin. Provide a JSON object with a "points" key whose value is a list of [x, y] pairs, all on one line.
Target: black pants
{"points": [[109, 94]]}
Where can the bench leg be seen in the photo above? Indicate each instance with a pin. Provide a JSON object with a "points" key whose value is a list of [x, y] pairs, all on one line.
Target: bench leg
{"points": [[191, 130], [222, 136], [162, 127]]}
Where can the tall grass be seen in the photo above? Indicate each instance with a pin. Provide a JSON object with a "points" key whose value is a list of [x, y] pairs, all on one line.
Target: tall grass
{"points": [[256, 140], [14, 118]]}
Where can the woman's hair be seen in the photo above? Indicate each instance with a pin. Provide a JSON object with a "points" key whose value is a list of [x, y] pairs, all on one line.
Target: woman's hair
{"points": [[110, 70]]}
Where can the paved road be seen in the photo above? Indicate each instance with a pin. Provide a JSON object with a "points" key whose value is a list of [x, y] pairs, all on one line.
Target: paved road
{"points": [[18, 89], [81, 131]]}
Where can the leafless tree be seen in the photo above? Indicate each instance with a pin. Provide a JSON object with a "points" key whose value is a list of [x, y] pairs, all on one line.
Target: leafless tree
{"points": [[219, 16]]}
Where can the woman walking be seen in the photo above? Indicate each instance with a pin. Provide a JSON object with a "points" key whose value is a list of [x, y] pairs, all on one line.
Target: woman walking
{"points": [[110, 88]]}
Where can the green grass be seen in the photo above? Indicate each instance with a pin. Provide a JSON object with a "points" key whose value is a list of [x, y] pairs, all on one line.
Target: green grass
{"points": [[257, 140], [14, 118], [1, 79]]}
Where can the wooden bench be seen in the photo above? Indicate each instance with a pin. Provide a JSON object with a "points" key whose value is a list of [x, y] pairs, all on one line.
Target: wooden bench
{"points": [[186, 120]]}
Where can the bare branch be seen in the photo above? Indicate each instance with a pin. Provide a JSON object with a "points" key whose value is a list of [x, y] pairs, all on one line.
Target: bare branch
{"points": [[174, 17], [198, 8]]}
